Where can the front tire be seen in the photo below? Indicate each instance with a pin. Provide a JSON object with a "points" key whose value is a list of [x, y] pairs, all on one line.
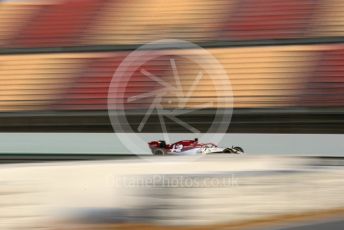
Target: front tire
{"points": [[239, 149], [228, 150]]}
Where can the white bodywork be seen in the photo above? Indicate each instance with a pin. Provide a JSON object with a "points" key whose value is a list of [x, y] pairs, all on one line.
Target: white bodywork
{"points": [[200, 150], [207, 150]]}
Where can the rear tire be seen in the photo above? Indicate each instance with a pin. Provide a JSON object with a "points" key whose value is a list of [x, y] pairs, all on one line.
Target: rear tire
{"points": [[159, 152]]}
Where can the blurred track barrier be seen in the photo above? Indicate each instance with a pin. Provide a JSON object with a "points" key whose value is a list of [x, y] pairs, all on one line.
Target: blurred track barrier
{"points": [[167, 191]]}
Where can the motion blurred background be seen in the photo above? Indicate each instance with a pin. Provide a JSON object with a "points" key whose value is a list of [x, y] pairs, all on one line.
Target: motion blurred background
{"points": [[284, 59], [285, 62]]}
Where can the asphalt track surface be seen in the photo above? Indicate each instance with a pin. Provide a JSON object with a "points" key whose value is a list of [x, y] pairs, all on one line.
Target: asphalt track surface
{"points": [[328, 225], [270, 175]]}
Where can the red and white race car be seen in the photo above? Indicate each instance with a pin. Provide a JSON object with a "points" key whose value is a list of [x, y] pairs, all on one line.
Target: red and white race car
{"points": [[189, 147]]}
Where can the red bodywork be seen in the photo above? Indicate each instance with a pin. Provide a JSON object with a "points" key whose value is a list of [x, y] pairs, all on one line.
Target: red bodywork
{"points": [[168, 148]]}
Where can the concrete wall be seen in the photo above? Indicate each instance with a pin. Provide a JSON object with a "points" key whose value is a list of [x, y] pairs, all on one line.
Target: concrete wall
{"points": [[110, 143]]}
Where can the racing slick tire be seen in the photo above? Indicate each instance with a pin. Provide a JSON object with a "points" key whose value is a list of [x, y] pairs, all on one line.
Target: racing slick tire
{"points": [[228, 150], [159, 152], [238, 149]]}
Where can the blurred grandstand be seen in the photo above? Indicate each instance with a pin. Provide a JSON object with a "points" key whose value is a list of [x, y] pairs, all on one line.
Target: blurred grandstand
{"points": [[284, 58]]}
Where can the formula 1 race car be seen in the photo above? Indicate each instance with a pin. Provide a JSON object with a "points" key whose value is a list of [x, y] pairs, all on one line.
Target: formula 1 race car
{"points": [[189, 147]]}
